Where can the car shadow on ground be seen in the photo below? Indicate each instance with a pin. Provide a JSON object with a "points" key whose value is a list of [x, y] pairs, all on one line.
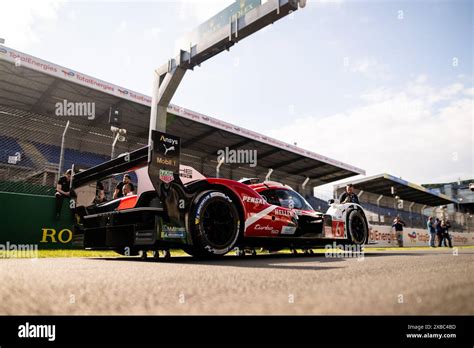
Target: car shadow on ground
{"points": [[313, 262], [273, 261]]}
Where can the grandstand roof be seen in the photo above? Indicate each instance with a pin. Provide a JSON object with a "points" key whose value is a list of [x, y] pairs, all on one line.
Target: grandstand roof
{"points": [[32, 84], [381, 184]]}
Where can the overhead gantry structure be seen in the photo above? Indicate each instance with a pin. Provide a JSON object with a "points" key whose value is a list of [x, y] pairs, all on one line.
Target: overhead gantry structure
{"points": [[242, 19]]}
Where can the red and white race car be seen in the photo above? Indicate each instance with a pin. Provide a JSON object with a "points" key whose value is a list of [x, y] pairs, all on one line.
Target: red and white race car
{"points": [[203, 216]]}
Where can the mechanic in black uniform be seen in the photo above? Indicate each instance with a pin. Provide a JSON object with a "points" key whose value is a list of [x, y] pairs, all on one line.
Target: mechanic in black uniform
{"points": [[118, 189], [349, 196], [99, 193], [62, 191]]}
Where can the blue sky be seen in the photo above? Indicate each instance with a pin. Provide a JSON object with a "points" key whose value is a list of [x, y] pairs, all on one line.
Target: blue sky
{"points": [[384, 85]]}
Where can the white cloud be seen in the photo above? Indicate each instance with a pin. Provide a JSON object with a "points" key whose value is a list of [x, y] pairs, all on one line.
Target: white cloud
{"points": [[402, 132], [152, 33], [122, 27], [421, 78], [469, 92], [327, 2], [23, 22], [72, 15], [370, 67]]}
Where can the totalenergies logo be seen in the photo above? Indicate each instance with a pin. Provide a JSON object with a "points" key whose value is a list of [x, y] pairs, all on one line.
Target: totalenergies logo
{"points": [[460, 240], [68, 73]]}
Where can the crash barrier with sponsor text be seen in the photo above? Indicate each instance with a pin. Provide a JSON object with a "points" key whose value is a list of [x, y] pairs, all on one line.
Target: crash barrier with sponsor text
{"points": [[30, 219], [385, 236]]}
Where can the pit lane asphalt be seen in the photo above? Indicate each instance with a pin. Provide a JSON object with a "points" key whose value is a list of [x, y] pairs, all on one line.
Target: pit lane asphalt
{"points": [[389, 282]]}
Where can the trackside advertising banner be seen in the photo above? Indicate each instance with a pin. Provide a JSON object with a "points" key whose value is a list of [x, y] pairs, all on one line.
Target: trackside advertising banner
{"points": [[22, 59], [385, 236], [30, 220]]}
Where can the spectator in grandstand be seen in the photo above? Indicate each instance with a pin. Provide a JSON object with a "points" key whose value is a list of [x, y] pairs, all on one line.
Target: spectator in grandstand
{"points": [[119, 188], [432, 231], [445, 225], [349, 196], [398, 226], [127, 190], [62, 191]]}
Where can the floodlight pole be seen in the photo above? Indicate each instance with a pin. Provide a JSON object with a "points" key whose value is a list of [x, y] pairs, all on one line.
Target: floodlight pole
{"points": [[169, 76], [378, 205], [423, 212], [409, 209], [303, 186], [61, 156], [269, 173], [112, 154], [218, 167]]}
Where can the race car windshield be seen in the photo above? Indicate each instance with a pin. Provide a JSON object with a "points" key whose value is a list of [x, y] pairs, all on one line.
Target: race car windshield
{"points": [[287, 199]]}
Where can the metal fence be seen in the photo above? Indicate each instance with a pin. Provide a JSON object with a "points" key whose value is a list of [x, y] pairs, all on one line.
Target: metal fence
{"points": [[384, 215], [33, 147]]}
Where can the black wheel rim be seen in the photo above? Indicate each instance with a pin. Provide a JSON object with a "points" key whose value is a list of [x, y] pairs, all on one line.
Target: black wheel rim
{"points": [[357, 229], [218, 224]]}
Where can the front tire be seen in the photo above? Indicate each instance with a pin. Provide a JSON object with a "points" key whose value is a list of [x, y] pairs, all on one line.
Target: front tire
{"points": [[214, 224], [357, 229]]}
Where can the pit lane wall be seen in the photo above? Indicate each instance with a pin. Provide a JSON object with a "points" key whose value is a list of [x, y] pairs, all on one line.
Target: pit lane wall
{"points": [[385, 236], [27, 219]]}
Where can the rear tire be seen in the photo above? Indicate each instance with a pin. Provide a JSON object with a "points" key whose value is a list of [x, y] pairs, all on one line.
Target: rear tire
{"points": [[214, 224], [357, 229]]}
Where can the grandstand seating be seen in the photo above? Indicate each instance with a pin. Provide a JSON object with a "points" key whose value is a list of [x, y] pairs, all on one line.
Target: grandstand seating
{"points": [[51, 153], [9, 148], [82, 159], [412, 219], [318, 204]]}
